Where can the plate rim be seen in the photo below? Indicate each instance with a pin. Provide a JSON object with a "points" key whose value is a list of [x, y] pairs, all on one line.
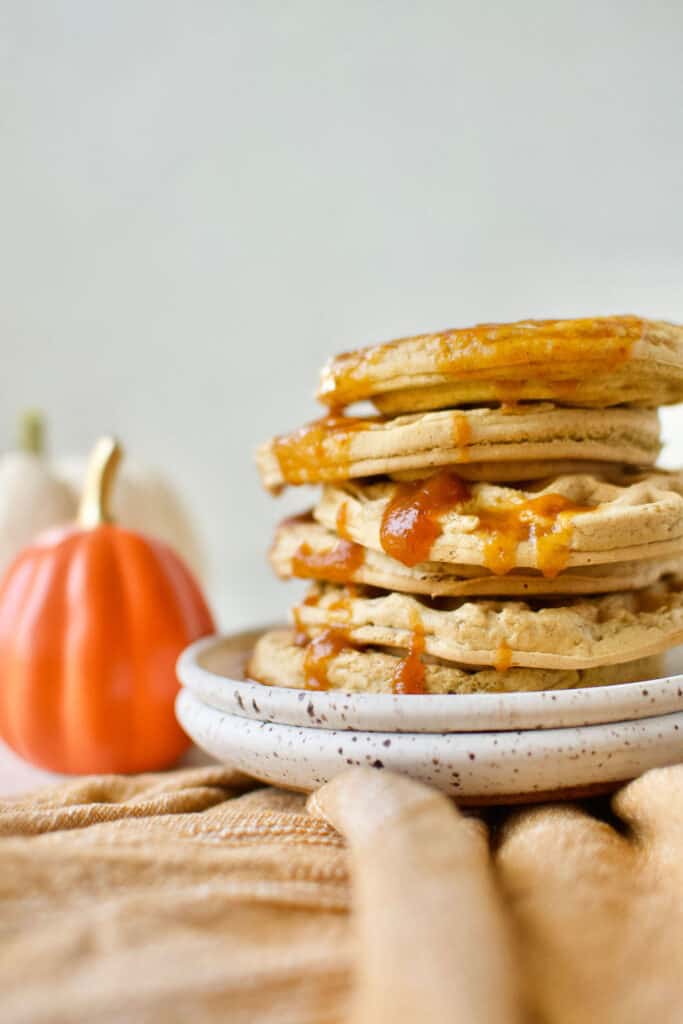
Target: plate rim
{"points": [[423, 713], [489, 767]]}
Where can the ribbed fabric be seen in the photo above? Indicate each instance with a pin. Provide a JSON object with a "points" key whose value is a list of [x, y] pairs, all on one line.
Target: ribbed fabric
{"points": [[195, 895]]}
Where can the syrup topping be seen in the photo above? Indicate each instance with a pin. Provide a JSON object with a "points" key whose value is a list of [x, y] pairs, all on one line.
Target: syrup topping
{"points": [[319, 653], [546, 521], [343, 520], [303, 454], [342, 605], [409, 675], [599, 343], [503, 658], [301, 637], [411, 521], [337, 564], [462, 433]]}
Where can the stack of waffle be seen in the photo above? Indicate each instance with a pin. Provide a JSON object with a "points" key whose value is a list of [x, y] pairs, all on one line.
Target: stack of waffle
{"points": [[499, 524]]}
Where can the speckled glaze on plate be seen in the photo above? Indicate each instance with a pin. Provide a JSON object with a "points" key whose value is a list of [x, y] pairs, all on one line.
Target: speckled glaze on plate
{"points": [[213, 670], [476, 768]]}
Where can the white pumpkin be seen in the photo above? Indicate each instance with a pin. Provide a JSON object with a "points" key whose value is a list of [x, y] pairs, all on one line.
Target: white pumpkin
{"points": [[144, 501], [32, 496], [36, 493]]}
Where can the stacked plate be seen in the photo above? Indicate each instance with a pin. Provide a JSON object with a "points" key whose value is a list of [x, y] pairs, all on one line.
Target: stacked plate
{"points": [[480, 748]]}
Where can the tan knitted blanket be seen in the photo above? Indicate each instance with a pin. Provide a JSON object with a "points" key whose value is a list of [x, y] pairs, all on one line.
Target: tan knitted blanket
{"points": [[198, 896]]}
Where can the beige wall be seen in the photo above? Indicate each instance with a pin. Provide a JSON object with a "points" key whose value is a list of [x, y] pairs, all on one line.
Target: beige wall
{"points": [[199, 201]]}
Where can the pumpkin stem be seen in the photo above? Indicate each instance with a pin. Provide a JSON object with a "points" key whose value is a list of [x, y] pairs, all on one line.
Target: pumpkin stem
{"points": [[94, 509], [31, 432]]}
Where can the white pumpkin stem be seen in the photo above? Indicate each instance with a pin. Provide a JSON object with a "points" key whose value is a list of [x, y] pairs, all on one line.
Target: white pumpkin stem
{"points": [[94, 509], [32, 432]]}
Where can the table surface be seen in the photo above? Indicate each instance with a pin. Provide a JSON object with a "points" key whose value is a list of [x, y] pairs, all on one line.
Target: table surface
{"points": [[17, 776]]}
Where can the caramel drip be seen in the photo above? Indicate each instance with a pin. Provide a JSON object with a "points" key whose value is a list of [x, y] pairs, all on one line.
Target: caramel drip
{"points": [[409, 675], [601, 341], [319, 653], [462, 434], [546, 521], [343, 521], [478, 353], [338, 564], [315, 450], [341, 606], [411, 521], [503, 657], [509, 394], [301, 637]]}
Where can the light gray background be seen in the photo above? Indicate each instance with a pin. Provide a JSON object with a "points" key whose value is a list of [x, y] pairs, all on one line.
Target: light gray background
{"points": [[200, 201]]}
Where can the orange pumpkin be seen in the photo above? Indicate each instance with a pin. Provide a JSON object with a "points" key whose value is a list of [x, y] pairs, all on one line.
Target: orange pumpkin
{"points": [[92, 620]]}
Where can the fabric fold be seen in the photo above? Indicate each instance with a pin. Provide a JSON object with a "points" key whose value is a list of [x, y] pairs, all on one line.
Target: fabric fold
{"points": [[202, 895], [432, 942], [91, 799]]}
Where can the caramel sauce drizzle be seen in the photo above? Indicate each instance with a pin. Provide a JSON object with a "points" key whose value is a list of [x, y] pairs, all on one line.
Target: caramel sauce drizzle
{"points": [[342, 522], [462, 434], [301, 637], [342, 605], [546, 521], [319, 653], [476, 352], [338, 564], [409, 674], [303, 454], [411, 519], [503, 659]]}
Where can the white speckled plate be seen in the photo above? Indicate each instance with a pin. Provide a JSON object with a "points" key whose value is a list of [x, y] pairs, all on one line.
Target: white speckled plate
{"points": [[213, 669], [476, 768]]}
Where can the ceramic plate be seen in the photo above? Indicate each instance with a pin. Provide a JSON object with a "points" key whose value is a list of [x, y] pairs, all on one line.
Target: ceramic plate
{"points": [[477, 768], [213, 669]]}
